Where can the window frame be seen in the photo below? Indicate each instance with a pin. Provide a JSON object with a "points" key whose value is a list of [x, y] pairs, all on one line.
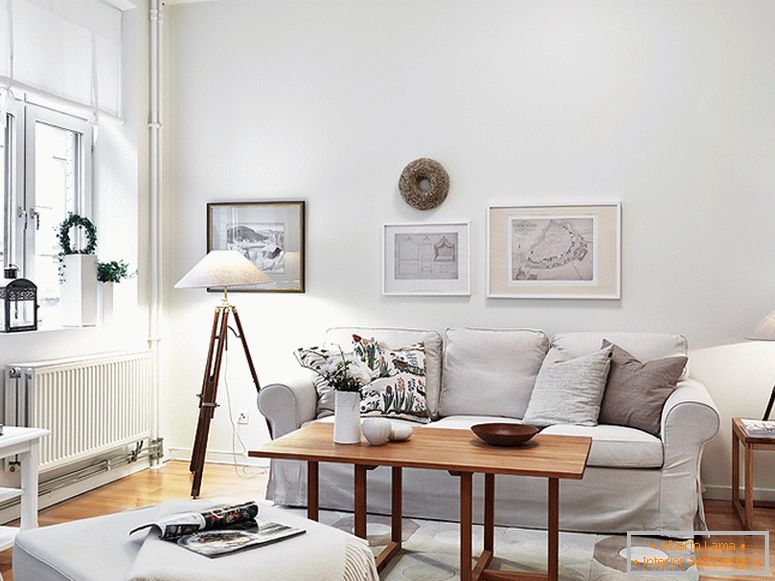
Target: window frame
{"points": [[27, 211], [18, 190]]}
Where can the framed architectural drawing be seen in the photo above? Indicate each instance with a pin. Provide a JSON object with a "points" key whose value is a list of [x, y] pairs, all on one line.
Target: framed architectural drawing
{"points": [[269, 234], [554, 251], [426, 259]]}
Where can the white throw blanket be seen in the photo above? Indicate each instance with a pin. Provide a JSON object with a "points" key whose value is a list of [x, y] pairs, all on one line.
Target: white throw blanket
{"points": [[321, 554]]}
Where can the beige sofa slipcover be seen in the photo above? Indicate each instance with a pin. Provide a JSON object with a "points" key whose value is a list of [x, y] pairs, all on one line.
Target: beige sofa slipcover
{"points": [[634, 480]]}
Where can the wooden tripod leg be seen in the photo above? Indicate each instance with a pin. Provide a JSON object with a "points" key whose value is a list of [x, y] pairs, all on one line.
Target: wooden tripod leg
{"points": [[245, 348], [207, 406], [205, 382]]}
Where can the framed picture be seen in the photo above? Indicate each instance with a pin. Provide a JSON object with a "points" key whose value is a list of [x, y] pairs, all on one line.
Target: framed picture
{"points": [[269, 234], [426, 259], [554, 251]]}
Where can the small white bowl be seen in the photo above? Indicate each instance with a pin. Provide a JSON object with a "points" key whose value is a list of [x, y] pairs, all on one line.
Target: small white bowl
{"points": [[376, 430], [400, 432]]}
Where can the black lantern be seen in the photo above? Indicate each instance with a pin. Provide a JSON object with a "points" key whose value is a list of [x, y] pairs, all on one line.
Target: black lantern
{"points": [[19, 300]]}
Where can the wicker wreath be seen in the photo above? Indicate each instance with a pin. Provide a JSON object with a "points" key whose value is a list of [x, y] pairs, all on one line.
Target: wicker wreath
{"points": [[76, 221], [424, 183]]}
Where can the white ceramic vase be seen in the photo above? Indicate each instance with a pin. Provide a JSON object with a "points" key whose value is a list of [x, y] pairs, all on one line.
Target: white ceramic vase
{"points": [[347, 417], [79, 290], [105, 302]]}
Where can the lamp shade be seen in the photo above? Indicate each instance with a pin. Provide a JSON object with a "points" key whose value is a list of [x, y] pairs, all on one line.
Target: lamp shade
{"points": [[223, 268], [765, 330]]}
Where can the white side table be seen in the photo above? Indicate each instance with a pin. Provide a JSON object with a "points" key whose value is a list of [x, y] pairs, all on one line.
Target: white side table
{"points": [[26, 443]]}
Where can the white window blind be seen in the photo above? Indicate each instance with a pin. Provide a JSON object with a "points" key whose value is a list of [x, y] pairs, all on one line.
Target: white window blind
{"points": [[70, 49]]}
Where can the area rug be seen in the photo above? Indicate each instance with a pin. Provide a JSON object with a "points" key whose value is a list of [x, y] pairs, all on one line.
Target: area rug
{"points": [[431, 551]]}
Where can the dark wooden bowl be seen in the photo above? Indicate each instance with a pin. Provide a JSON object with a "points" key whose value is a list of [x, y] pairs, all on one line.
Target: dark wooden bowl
{"points": [[497, 434]]}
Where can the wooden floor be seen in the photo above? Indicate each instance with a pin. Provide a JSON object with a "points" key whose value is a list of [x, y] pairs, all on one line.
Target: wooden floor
{"points": [[172, 482]]}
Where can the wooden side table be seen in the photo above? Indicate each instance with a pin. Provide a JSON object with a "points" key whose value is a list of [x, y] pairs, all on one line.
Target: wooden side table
{"points": [[744, 507]]}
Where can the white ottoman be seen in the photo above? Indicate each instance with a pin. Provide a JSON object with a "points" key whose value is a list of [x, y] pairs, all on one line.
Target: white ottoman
{"points": [[99, 549]]}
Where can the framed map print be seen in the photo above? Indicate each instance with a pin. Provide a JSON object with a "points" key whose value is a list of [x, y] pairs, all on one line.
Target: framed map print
{"points": [[426, 259], [554, 252], [269, 234]]}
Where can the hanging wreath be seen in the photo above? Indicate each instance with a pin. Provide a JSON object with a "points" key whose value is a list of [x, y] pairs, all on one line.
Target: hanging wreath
{"points": [[76, 221], [424, 184]]}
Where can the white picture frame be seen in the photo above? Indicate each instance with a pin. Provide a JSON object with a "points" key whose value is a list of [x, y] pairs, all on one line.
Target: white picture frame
{"points": [[554, 251], [426, 259]]}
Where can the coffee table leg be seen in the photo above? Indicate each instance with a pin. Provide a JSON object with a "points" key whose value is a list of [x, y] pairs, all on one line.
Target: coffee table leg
{"points": [[553, 555], [397, 505], [466, 531], [360, 501], [489, 512], [312, 490], [394, 546]]}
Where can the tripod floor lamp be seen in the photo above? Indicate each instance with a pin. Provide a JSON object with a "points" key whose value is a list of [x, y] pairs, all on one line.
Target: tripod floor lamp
{"points": [[219, 269]]}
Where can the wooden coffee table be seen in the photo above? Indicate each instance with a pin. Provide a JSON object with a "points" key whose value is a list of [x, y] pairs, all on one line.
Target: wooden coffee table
{"points": [[460, 453]]}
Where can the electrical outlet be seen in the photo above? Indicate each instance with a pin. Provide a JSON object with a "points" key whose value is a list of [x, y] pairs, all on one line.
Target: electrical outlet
{"points": [[242, 419]]}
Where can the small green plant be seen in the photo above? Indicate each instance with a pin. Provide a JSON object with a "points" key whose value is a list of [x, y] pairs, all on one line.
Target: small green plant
{"points": [[113, 271]]}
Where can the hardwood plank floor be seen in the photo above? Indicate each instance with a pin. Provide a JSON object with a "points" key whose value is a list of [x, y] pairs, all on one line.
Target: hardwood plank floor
{"points": [[173, 482]]}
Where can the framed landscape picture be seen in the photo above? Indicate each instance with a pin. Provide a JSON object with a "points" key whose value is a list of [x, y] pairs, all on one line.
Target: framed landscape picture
{"points": [[426, 259], [269, 234], [554, 251]]}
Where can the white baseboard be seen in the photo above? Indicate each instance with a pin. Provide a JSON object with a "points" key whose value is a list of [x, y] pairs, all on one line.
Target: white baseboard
{"points": [[45, 500], [218, 457], [716, 492]]}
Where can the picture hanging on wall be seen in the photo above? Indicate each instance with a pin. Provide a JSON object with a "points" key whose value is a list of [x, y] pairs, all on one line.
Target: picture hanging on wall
{"points": [[269, 234], [554, 251], [426, 259]]}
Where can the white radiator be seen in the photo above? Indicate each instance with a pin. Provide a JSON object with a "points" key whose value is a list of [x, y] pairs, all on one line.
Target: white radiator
{"points": [[91, 404]]}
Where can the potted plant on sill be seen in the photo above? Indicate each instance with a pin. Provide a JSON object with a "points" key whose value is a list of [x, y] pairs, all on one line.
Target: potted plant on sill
{"points": [[109, 274], [346, 374], [78, 271]]}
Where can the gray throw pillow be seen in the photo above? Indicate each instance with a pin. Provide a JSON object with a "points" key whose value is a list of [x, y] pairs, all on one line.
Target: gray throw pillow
{"points": [[569, 392], [636, 391]]}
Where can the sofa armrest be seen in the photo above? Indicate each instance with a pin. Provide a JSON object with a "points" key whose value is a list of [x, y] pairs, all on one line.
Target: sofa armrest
{"points": [[286, 406], [689, 415]]}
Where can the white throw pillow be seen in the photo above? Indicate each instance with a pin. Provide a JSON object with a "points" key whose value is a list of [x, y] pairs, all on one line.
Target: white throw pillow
{"points": [[570, 391]]}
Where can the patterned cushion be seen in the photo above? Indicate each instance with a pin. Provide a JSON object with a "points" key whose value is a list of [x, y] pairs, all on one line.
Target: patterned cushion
{"points": [[399, 391]]}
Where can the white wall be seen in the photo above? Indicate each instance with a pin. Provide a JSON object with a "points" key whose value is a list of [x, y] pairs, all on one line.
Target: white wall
{"points": [[666, 106]]}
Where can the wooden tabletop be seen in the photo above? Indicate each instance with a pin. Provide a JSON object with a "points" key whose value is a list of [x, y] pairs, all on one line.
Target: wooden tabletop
{"points": [[547, 456]]}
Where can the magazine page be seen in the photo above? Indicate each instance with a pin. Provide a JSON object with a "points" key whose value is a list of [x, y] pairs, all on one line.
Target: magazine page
{"points": [[215, 543], [177, 525]]}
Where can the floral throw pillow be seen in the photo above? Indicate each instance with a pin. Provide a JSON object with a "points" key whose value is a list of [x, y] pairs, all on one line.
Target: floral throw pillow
{"points": [[399, 391]]}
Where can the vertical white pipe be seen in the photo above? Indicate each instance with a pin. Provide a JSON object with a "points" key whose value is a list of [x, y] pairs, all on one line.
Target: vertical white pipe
{"points": [[155, 213]]}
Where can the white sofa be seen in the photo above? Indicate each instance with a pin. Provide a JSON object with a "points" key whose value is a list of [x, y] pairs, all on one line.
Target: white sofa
{"points": [[634, 480]]}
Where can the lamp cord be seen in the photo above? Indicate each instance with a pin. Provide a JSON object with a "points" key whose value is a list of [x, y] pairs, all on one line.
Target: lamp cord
{"points": [[240, 470]]}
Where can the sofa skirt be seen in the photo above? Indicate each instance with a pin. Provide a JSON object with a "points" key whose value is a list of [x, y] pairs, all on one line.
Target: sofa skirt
{"points": [[607, 500]]}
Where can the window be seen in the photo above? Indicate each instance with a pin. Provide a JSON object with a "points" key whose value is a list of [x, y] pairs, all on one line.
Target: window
{"points": [[53, 179]]}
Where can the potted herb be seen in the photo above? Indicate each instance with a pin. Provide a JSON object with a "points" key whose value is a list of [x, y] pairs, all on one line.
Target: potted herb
{"points": [[108, 275], [78, 271]]}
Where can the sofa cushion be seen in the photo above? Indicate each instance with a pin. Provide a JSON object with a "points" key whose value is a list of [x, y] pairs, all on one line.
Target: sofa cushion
{"points": [[644, 346], [396, 338], [612, 446], [490, 371], [569, 391], [616, 446]]}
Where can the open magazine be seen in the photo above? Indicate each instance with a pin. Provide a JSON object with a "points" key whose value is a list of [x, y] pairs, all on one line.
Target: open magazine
{"points": [[220, 530]]}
